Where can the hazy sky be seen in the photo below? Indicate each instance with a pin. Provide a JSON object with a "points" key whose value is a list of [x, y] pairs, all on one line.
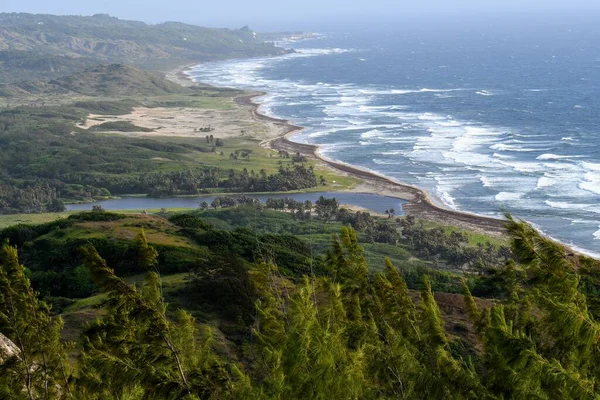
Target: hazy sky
{"points": [[286, 14]]}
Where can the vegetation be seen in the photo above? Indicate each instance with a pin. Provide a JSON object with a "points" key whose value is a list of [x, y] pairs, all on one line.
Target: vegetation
{"points": [[46, 158], [34, 46], [338, 331]]}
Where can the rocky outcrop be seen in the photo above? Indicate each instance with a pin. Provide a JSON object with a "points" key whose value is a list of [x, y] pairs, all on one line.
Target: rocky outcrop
{"points": [[7, 348]]}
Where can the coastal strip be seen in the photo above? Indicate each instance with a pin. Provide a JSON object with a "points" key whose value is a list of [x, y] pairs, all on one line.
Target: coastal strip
{"points": [[419, 204]]}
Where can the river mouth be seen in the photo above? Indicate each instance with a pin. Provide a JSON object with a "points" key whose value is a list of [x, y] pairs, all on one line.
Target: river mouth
{"points": [[369, 201]]}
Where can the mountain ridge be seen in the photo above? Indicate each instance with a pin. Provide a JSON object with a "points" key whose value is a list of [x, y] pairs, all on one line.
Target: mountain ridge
{"points": [[33, 46]]}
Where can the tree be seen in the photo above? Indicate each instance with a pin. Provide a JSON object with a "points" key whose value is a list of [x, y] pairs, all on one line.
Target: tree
{"points": [[40, 368], [56, 205], [326, 208], [135, 348], [146, 255]]}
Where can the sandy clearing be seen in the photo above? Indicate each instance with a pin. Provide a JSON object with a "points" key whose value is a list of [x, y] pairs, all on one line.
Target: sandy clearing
{"points": [[187, 122]]}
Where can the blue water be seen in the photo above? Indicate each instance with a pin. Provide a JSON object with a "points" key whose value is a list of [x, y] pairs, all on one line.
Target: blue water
{"points": [[486, 119], [369, 201]]}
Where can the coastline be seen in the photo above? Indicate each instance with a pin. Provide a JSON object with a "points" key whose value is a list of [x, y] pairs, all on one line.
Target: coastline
{"points": [[418, 202]]}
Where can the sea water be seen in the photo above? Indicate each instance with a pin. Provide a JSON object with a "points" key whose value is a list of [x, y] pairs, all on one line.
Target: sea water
{"points": [[487, 119]]}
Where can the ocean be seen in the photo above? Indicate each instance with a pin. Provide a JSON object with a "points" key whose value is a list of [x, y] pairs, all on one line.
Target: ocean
{"points": [[486, 119]]}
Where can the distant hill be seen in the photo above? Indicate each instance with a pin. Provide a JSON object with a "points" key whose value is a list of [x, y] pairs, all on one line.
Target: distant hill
{"points": [[102, 80], [34, 46]]}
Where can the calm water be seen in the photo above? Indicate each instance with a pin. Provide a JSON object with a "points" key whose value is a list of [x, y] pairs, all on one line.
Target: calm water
{"points": [[485, 119], [366, 200]]}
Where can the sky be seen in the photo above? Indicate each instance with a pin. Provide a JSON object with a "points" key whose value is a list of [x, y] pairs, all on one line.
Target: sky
{"points": [[279, 15]]}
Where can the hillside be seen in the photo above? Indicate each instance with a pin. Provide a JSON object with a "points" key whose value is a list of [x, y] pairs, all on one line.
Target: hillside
{"points": [[36, 46], [255, 313], [102, 80]]}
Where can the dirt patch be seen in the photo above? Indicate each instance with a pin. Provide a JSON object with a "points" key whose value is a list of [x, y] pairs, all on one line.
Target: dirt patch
{"points": [[190, 122]]}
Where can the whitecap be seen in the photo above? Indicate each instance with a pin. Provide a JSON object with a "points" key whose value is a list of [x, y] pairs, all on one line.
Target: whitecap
{"points": [[550, 156], [502, 156], [591, 182], [591, 166], [508, 196], [375, 133], [507, 147], [544, 182]]}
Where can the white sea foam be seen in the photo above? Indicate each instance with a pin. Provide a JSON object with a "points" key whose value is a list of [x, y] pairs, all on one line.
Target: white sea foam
{"points": [[431, 117], [484, 93], [523, 166], [554, 157], [544, 182], [565, 205], [591, 166], [597, 234], [443, 96], [508, 196], [591, 182], [502, 156], [375, 133], [447, 199], [559, 204], [383, 92], [508, 147]]}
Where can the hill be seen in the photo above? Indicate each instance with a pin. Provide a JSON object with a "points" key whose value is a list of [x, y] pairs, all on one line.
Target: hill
{"points": [[34, 45], [255, 314], [102, 80]]}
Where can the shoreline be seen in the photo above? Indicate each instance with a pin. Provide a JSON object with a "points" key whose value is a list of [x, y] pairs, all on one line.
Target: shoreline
{"points": [[418, 202]]}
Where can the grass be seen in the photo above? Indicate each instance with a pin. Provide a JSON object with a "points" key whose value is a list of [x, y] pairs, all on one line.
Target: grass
{"points": [[260, 158], [474, 237], [31, 219], [89, 302], [84, 311]]}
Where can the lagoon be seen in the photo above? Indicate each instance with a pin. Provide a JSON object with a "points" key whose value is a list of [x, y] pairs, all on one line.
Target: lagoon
{"points": [[373, 202]]}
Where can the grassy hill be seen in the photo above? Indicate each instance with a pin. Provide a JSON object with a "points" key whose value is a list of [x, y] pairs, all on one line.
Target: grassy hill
{"points": [[102, 80], [33, 45]]}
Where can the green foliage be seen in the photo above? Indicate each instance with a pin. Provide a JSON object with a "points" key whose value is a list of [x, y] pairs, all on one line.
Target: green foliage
{"points": [[39, 367], [45, 158], [54, 46], [223, 283], [119, 126], [346, 334], [189, 221], [136, 349]]}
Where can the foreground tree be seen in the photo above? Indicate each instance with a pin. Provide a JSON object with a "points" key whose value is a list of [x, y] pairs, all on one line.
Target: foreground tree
{"points": [[39, 369], [137, 349]]}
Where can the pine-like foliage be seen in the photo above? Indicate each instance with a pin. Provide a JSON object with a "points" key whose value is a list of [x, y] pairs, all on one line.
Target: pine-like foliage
{"points": [[543, 342], [348, 334], [40, 369], [137, 349]]}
